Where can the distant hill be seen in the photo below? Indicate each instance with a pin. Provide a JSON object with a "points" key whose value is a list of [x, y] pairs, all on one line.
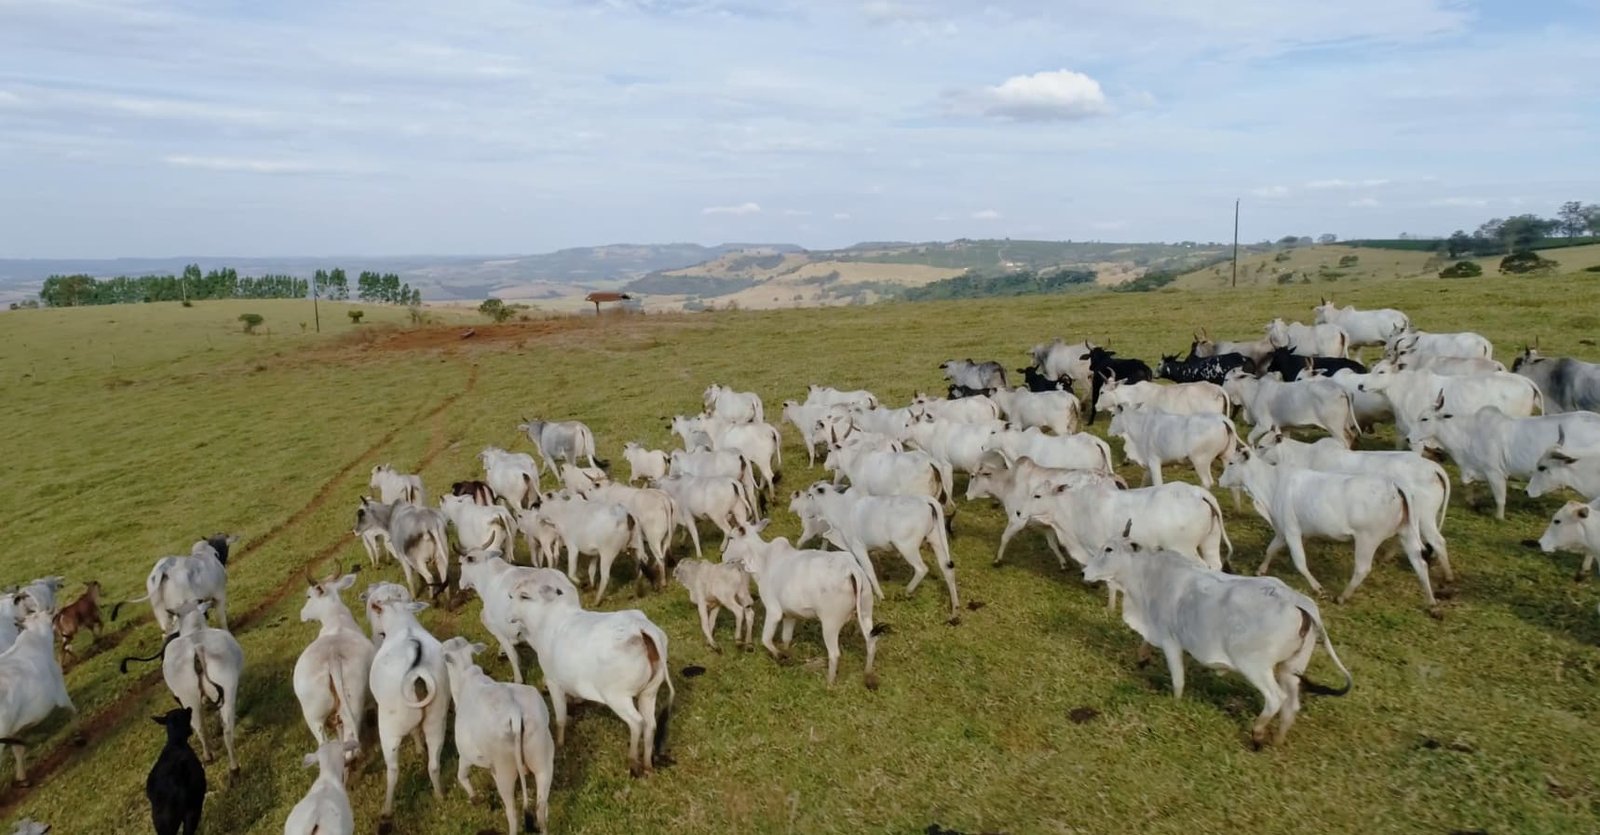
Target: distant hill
{"points": [[1358, 261]]}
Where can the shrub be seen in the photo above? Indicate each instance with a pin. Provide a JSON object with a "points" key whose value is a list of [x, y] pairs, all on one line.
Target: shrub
{"points": [[355, 316], [187, 303], [418, 315], [1152, 280], [1462, 269], [1526, 262], [1286, 278], [496, 310], [1281, 257], [251, 321], [1593, 269], [1349, 260]]}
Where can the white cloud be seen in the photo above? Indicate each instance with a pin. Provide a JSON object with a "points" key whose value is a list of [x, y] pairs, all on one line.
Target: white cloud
{"points": [[741, 209], [1044, 96], [986, 214], [841, 215], [1364, 203], [1459, 202], [1336, 183], [248, 165], [1270, 191], [797, 213]]}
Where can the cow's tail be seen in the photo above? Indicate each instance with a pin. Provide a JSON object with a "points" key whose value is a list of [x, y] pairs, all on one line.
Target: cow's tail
{"points": [[415, 673], [1233, 434], [1444, 481], [1353, 425], [1310, 617], [203, 678], [118, 605], [503, 522], [864, 619], [1216, 520], [123, 667], [1408, 515], [149, 594], [777, 449], [441, 543], [941, 538], [347, 710], [530, 488], [519, 732], [655, 651], [1105, 455], [1538, 398], [743, 494]]}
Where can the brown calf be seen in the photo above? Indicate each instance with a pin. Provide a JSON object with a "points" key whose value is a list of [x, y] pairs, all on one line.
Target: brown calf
{"points": [[78, 615]]}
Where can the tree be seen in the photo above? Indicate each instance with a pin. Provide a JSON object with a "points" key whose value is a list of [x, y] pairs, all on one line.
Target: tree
{"points": [[355, 316], [1288, 240], [1459, 242], [1489, 229], [1521, 232], [1327, 238], [1526, 261], [251, 321], [1573, 218], [496, 310], [1461, 269]]}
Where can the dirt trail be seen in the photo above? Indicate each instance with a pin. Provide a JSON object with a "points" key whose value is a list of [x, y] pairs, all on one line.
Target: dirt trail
{"points": [[117, 712]]}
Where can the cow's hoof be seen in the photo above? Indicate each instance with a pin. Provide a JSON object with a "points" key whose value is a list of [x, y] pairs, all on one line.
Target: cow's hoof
{"points": [[1436, 612], [528, 823], [635, 771], [1530, 543], [716, 649], [693, 670], [24, 784], [663, 760], [955, 620], [1578, 576], [872, 681], [881, 629], [1256, 742], [385, 825]]}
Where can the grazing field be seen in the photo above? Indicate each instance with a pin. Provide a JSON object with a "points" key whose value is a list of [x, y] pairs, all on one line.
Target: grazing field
{"points": [[131, 431], [1319, 265]]}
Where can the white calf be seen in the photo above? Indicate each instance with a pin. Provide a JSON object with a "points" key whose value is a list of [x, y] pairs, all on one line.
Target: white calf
{"points": [[325, 810], [714, 585], [330, 676], [409, 658], [507, 731]]}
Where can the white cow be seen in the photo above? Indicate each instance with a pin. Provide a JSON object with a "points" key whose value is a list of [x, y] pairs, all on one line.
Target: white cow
{"points": [[325, 810], [202, 575], [599, 528], [1255, 626], [1256, 350], [544, 546], [1073, 452], [1447, 366], [1370, 407], [829, 586], [723, 501], [1058, 359], [1177, 516], [411, 686], [11, 616], [894, 423], [563, 441], [953, 446], [330, 676], [513, 476], [1056, 411], [1424, 481], [1575, 527], [807, 418], [395, 486], [827, 396], [202, 665], [862, 523], [1413, 392], [644, 464], [1177, 399], [1152, 438], [975, 409], [31, 685], [1366, 509], [1270, 403], [1491, 446], [1309, 340], [710, 463], [757, 442], [713, 585], [39, 595], [616, 658], [889, 473], [376, 597], [1013, 486], [1364, 327], [507, 731], [1415, 343], [1563, 466], [732, 406], [655, 515], [488, 574], [478, 526]]}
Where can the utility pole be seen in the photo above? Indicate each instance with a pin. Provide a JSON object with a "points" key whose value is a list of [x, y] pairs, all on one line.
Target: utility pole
{"points": [[317, 314], [1236, 242]]}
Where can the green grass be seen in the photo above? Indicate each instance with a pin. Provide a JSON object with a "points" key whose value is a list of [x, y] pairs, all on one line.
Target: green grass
{"points": [[127, 441]]}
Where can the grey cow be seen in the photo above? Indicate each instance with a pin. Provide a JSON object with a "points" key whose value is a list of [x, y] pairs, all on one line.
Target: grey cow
{"points": [[1568, 385], [560, 441], [414, 534], [975, 375]]}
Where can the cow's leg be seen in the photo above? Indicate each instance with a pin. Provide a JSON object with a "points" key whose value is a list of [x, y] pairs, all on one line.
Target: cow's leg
{"points": [[1202, 468], [647, 713], [788, 631], [558, 706], [948, 568], [463, 772], [435, 722], [1497, 486], [22, 770], [389, 739], [1011, 530], [1428, 528], [606, 558], [707, 622], [624, 708], [1256, 432], [1054, 543], [1272, 698], [229, 711], [544, 764], [769, 628], [1175, 668], [1153, 472], [505, 784], [1412, 547], [830, 640], [1297, 553], [508, 645], [1273, 548], [195, 705], [913, 557]]}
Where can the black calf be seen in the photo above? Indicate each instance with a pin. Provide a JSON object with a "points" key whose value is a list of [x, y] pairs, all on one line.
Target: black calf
{"points": [[176, 786]]}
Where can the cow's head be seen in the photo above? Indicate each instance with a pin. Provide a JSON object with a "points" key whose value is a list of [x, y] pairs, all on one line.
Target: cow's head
{"points": [[1566, 531], [1426, 426], [322, 598]]}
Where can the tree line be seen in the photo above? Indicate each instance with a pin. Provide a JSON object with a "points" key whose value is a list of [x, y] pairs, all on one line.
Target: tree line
{"points": [[223, 283]]}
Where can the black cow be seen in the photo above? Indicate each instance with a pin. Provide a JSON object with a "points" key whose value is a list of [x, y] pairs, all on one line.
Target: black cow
{"points": [[1103, 365], [1290, 365], [1035, 380], [176, 786], [478, 491], [1202, 369], [956, 392]]}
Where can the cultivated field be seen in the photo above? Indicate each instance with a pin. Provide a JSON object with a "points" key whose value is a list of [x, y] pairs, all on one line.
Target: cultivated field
{"points": [[1320, 265], [131, 431]]}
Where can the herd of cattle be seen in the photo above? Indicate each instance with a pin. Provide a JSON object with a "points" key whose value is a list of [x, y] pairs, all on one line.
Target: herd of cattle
{"points": [[1163, 548]]}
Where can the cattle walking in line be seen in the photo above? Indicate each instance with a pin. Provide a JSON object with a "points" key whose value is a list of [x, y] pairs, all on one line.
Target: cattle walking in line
{"points": [[713, 585], [478, 526], [1446, 366], [829, 586], [1255, 351], [507, 731], [1415, 343], [392, 485], [1178, 399], [861, 523], [1255, 626], [202, 575], [616, 658], [32, 687], [1568, 385], [176, 786], [1106, 367], [1290, 366], [1013, 485], [513, 476], [732, 406], [1414, 392], [1179, 517], [1371, 408], [488, 574], [644, 464], [972, 408], [330, 676], [202, 665], [1073, 452], [1035, 380], [723, 501], [1491, 446], [1061, 360], [1056, 411], [1317, 402], [828, 396]]}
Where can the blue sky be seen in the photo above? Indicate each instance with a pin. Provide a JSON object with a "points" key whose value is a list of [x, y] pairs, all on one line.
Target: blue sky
{"points": [[150, 128]]}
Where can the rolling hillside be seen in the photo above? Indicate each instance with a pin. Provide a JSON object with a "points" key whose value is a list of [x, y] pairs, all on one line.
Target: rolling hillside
{"points": [[1315, 264]]}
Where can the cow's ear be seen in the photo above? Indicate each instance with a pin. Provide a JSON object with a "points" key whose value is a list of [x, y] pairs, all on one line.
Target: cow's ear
{"points": [[415, 606], [344, 582], [1583, 511], [479, 647], [309, 761], [1562, 457], [159, 720]]}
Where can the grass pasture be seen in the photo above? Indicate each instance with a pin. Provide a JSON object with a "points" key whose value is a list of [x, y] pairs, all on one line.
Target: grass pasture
{"points": [[127, 441]]}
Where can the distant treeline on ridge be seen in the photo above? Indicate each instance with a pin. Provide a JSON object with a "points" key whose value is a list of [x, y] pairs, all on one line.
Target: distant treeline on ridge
{"points": [[224, 283]]}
